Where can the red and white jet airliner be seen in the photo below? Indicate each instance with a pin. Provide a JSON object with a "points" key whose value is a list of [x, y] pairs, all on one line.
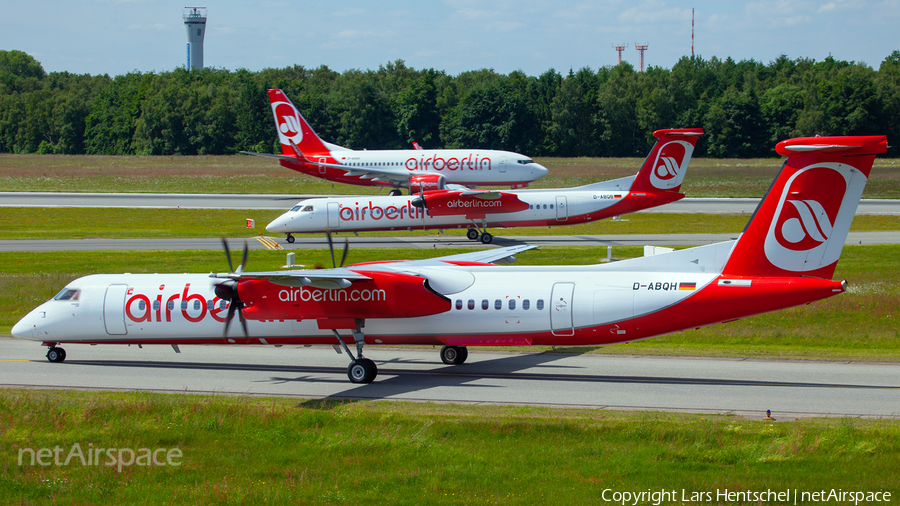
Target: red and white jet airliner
{"points": [[416, 169], [785, 257], [657, 183]]}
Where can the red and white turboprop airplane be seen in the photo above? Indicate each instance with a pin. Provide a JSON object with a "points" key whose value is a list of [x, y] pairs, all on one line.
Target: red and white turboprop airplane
{"points": [[785, 257], [417, 169], [657, 183]]}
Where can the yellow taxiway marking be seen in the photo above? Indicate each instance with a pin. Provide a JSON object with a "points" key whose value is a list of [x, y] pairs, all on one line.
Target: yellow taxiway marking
{"points": [[14, 360], [269, 243]]}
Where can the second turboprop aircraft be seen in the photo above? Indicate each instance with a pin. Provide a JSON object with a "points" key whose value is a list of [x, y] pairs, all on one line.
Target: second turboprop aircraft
{"points": [[657, 183]]}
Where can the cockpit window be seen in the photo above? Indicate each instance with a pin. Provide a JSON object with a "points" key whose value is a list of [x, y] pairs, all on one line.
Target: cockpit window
{"points": [[67, 294], [525, 161], [307, 209], [302, 209], [295, 209]]}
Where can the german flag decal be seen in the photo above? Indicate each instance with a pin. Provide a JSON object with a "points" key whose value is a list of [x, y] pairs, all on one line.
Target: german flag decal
{"points": [[687, 286], [617, 196]]}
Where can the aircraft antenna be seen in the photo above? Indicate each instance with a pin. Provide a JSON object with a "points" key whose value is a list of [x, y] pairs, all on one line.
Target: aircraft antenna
{"points": [[195, 23], [620, 48], [641, 48]]}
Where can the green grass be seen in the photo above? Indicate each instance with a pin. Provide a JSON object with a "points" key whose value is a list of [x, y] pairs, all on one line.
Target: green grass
{"points": [[244, 450], [248, 174], [858, 325], [112, 223]]}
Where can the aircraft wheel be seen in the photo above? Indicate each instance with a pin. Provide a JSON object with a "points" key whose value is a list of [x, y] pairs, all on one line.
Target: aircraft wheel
{"points": [[362, 371], [290, 239], [454, 355], [472, 234], [395, 193], [55, 354], [486, 238]]}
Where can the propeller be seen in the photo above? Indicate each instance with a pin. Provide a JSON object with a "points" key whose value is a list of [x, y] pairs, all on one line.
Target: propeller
{"points": [[227, 290], [331, 248], [421, 203]]}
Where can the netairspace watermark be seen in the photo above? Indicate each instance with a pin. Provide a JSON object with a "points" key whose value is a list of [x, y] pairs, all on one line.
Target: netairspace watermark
{"points": [[119, 457], [786, 496]]}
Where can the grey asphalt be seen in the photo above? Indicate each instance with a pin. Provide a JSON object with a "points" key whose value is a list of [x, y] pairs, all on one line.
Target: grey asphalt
{"points": [[744, 387], [425, 241], [284, 202]]}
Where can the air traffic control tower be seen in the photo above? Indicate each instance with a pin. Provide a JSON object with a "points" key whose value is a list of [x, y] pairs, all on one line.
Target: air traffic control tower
{"points": [[195, 23]]}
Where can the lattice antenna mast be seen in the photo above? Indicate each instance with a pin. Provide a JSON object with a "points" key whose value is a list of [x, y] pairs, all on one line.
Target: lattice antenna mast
{"points": [[692, 33], [641, 48], [620, 48]]}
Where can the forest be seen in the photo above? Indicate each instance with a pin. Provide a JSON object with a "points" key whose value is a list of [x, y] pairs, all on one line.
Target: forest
{"points": [[745, 107]]}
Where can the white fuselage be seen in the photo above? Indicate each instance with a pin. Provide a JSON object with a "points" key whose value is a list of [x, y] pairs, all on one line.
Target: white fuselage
{"points": [[509, 305], [546, 207]]}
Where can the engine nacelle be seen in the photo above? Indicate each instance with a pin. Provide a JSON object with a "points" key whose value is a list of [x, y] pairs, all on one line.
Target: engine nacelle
{"points": [[386, 295], [426, 182]]}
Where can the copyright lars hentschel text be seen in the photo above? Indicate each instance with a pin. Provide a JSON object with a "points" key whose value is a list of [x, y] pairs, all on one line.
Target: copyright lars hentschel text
{"points": [[795, 496]]}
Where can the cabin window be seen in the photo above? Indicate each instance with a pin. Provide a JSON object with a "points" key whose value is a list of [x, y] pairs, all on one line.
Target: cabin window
{"points": [[156, 305], [222, 304], [512, 304], [471, 304], [498, 304], [210, 305], [184, 305], [551, 206], [540, 304], [458, 304], [485, 304], [170, 305], [545, 206], [197, 305], [67, 294], [142, 305]]}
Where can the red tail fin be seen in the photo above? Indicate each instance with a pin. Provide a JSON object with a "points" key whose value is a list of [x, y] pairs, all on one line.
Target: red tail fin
{"points": [[802, 222], [665, 166], [292, 127]]}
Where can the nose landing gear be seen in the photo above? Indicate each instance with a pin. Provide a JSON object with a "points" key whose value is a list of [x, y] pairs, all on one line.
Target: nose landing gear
{"points": [[55, 354], [361, 369]]}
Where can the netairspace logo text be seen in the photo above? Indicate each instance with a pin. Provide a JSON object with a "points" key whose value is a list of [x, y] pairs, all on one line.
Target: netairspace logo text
{"points": [[787, 496], [119, 457]]}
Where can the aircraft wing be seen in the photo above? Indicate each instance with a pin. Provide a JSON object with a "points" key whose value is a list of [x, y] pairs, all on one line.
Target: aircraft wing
{"points": [[320, 278], [481, 256]]}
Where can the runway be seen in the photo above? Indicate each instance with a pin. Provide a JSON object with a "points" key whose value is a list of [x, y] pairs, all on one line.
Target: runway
{"points": [[424, 241], [744, 387], [284, 202]]}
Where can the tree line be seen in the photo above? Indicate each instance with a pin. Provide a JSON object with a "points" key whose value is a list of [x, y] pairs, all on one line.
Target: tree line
{"points": [[745, 107]]}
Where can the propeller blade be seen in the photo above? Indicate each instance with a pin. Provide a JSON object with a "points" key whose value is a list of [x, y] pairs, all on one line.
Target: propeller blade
{"points": [[227, 254], [346, 249], [330, 247], [228, 317], [244, 260], [240, 313]]}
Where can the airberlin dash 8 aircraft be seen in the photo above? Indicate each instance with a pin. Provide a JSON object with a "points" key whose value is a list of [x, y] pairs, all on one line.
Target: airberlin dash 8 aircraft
{"points": [[657, 183], [415, 169], [785, 257]]}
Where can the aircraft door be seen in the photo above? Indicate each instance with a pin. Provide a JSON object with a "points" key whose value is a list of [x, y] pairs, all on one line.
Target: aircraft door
{"points": [[114, 310], [334, 215], [503, 164], [322, 168], [562, 211], [561, 309]]}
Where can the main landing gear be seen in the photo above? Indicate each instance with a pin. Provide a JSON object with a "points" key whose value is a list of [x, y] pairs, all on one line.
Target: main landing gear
{"points": [[55, 354], [360, 370], [454, 355], [395, 193], [475, 235], [290, 239]]}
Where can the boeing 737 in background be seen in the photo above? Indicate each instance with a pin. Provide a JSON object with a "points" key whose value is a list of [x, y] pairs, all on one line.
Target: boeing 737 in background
{"points": [[785, 257], [415, 169], [657, 183]]}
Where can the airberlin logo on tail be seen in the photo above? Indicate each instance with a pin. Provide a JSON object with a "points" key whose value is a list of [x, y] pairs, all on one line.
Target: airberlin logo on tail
{"points": [[807, 216], [670, 165], [288, 122]]}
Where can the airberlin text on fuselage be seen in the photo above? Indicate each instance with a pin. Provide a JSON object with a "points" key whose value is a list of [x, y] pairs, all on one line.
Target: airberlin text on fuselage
{"points": [[306, 294], [471, 162]]}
